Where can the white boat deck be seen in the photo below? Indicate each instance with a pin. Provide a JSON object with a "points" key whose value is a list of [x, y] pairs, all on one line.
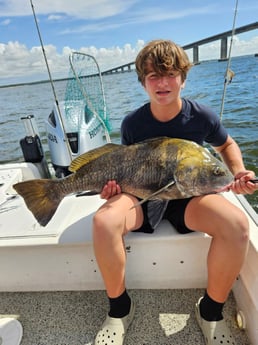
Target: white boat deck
{"points": [[163, 317]]}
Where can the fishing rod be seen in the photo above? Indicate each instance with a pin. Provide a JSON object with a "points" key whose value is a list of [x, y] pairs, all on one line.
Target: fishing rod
{"points": [[51, 81], [229, 74]]}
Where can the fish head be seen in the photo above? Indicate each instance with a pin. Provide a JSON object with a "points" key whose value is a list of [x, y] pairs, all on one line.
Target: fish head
{"points": [[198, 172]]}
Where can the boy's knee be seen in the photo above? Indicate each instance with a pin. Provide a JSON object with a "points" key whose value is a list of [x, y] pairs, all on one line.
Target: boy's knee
{"points": [[240, 228], [105, 219], [98, 220], [244, 227]]}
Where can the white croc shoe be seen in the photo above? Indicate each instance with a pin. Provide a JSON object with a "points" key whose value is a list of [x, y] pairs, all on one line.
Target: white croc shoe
{"points": [[214, 332], [113, 330]]}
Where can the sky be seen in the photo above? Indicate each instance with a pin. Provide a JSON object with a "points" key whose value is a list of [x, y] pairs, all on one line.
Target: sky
{"points": [[113, 31]]}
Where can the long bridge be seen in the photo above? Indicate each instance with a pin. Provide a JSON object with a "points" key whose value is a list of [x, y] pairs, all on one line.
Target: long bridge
{"points": [[223, 37]]}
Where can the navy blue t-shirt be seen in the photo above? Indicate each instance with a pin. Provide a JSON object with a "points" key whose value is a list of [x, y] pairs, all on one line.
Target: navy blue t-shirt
{"points": [[195, 122]]}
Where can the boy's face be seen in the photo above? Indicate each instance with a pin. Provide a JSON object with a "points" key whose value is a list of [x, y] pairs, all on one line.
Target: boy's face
{"points": [[163, 89]]}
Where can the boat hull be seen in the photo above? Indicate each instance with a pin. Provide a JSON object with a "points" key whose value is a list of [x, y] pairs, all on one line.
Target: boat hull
{"points": [[60, 256]]}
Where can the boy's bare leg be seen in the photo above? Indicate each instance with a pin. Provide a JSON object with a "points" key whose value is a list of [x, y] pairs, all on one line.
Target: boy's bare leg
{"points": [[112, 221], [228, 227]]}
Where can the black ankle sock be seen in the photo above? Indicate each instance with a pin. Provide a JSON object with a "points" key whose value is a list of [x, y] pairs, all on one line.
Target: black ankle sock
{"points": [[211, 310], [120, 306]]}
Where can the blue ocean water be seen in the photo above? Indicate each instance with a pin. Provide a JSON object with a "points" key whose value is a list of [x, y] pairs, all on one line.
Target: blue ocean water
{"points": [[124, 93]]}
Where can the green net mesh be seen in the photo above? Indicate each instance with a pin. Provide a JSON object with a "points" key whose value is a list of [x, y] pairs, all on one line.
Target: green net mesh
{"points": [[84, 90]]}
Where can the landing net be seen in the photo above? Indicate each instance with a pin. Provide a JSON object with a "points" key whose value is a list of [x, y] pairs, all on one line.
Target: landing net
{"points": [[85, 89]]}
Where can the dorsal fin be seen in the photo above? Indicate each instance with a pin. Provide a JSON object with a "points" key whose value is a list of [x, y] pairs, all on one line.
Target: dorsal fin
{"points": [[91, 155]]}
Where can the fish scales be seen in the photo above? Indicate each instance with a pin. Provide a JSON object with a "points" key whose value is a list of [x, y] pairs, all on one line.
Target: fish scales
{"points": [[134, 170]]}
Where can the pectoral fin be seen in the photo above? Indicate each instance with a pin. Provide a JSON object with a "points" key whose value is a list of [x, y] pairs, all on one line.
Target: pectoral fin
{"points": [[170, 184]]}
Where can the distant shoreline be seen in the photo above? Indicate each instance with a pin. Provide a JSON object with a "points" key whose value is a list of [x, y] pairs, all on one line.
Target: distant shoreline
{"points": [[32, 82], [66, 78]]}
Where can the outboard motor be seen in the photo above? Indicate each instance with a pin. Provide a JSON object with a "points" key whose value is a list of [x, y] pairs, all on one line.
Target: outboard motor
{"points": [[77, 132], [60, 152]]}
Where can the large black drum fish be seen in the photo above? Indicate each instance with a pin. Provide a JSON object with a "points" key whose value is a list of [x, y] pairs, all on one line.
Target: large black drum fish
{"points": [[161, 168]]}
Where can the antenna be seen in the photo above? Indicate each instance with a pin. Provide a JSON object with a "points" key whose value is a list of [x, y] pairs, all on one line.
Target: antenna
{"points": [[50, 78]]}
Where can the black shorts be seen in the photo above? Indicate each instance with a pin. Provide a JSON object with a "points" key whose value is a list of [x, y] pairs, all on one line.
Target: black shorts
{"points": [[174, 213]]}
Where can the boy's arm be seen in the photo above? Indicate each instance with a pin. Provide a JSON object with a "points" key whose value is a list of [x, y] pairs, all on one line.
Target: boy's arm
{"points": [[231, 155]]}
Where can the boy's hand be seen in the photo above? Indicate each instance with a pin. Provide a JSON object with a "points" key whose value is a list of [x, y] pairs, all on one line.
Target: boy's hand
{"points": [[243, 183], [110, 189]]}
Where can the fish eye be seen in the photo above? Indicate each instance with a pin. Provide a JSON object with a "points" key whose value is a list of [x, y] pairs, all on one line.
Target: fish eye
{"points": [[217, 171]]}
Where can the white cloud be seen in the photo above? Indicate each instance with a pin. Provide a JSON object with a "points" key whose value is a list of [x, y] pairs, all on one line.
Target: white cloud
{"points": [[156, 14], [79, 8], [148, 15], [241, 46], [55, 17], [16, 60], [94, 27], [29, 64], [5, 22], [99, 9]]}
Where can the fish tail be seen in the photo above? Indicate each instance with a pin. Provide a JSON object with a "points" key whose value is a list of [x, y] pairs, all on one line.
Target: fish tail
{"points": [[41, 196]]}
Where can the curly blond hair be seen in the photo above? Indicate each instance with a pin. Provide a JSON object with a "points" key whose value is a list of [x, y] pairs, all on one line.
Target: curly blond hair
{"points": [[162, 56]]}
